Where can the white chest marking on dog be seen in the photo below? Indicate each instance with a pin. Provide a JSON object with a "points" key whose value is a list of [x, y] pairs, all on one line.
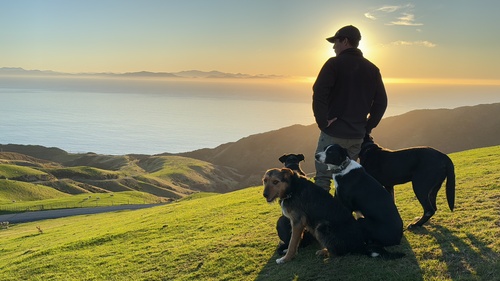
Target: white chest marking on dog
{"points": [[352, 165], [283, 209], [374, 255]]}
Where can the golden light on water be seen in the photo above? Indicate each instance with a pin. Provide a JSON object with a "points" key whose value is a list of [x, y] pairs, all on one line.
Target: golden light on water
{"points": [[422, 81], [443, 81]]}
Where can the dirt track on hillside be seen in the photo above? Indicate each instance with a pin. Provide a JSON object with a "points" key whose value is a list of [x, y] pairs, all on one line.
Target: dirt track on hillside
{"points": [[54, 214]]}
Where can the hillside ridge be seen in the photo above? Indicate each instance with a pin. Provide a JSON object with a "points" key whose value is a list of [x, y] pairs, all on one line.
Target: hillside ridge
{"points": [[239, 164]]}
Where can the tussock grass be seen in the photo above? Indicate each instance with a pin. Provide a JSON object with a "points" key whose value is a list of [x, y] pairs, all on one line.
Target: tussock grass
{"points": [[232, 237]]}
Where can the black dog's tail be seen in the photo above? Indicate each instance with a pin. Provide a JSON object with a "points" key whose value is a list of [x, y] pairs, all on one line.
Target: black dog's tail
{"points": [[450, 184], [379, 251]]}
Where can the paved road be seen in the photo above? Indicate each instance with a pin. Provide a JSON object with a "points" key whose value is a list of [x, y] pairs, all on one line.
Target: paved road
{"points": [[53, 214]]}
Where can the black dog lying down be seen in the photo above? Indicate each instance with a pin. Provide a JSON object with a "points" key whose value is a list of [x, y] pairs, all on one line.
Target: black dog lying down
{"points": [[310, 207], [425, 167], [358, 191]]}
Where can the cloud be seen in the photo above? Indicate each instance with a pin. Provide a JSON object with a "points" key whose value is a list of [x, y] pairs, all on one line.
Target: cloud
{"points": [[405, 18], [370, 16], [390, 9], [414, 43]]}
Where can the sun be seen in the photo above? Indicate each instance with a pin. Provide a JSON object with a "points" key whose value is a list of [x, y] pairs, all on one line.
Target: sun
{"points": [[364, 47]]}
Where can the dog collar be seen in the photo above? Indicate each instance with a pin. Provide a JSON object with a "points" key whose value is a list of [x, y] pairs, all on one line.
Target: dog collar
{"points": [[288, 196], [337, 169]]}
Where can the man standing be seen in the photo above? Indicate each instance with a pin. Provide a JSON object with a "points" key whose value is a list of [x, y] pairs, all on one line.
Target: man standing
{"points": [[349, 99]]}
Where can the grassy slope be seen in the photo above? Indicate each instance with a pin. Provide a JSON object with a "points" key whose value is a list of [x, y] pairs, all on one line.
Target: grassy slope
{"points": [[232, 237], [22, 191], [12, 171], [65, 201], [171, 177]]}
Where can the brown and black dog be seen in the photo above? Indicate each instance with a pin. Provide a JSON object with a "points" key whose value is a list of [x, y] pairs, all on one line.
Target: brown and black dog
{"points": [[425, 167], [310, 207], [283, 225]]}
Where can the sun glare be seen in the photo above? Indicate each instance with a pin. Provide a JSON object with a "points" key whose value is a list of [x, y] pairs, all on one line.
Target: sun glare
{"points": [[364, 47]]}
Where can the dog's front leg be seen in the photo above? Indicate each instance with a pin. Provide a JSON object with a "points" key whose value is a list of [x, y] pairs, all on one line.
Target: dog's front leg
{"points": [[297, 230]]}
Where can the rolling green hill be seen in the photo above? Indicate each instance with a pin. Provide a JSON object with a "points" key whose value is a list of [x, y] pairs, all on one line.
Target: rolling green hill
{"points": [[232, 236], [14, 191], [170, 177]]}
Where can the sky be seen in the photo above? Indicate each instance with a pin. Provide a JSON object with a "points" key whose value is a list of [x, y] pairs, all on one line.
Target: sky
{"points": [[441, 41]]}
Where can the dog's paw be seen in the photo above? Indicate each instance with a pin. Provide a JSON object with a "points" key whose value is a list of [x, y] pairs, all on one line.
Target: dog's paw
{"points": [[358, 215], [281, 260], [282, 249], [412, 226], [416, 224]]}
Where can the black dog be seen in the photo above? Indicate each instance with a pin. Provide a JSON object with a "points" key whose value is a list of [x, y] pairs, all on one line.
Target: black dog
{"points": [[310, 207], [359, 191], [292, 162], [425, 167]]}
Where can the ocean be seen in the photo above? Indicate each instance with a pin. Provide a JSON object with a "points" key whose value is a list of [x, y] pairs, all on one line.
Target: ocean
{"points": [[125, 116]]}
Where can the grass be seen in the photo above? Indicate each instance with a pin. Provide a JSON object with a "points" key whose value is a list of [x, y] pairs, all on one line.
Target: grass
{"points": [[12, 192], [232, 237], [12, 171], [179, 167], [66, 201], [83, 172], [170, 177]]}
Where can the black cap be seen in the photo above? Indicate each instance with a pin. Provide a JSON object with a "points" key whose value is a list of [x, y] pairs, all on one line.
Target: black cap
{"points": [[348, 31]]}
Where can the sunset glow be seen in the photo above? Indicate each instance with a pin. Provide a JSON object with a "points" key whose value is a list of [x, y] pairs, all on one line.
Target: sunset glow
{"points": [[286, 38], [437, 81]]}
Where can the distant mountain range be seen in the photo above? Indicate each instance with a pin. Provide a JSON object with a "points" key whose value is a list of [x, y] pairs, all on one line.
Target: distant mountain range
{"points": [[17, 71], [242, 163]]}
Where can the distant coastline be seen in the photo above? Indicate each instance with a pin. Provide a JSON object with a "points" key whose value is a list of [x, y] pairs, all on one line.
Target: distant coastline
{"points": [[18, 71]]}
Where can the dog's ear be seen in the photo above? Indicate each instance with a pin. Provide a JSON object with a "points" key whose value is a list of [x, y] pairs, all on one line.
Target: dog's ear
{"points": [[286, 174], [283, 158], [267, 174], [300, 157]]}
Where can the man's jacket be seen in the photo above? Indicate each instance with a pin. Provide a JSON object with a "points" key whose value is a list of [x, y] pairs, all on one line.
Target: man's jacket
{"points": [[349, 88]]}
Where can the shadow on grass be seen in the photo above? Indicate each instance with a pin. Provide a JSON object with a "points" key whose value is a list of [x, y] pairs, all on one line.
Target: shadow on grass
{"points": [[467, 259], [307, 266]]}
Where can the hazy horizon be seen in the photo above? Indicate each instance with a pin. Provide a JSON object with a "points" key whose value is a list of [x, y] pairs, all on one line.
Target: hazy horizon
{"points": [[151, 116]]}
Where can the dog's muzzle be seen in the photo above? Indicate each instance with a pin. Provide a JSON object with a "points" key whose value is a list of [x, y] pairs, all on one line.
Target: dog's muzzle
{"points": [[320, 157]]}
